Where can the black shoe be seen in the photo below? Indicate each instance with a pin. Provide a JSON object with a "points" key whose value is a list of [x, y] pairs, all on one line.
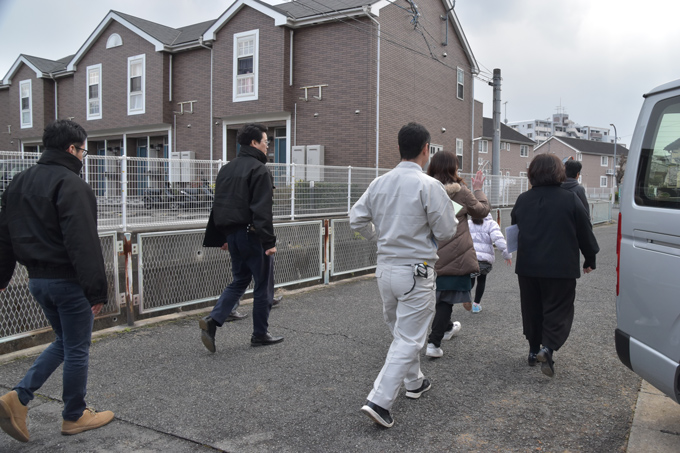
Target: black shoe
{"points": [[532, 359], [208, 328], [547, 365], [378, 414], [423, 388], [276, 301], [235, 316], [264, 340]]}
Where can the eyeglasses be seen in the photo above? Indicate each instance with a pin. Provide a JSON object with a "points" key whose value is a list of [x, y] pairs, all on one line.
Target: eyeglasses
{"points": [[81, 149]]}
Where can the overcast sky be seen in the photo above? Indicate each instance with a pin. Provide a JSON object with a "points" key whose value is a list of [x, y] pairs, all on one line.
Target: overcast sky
{"points": [[595, 58]]}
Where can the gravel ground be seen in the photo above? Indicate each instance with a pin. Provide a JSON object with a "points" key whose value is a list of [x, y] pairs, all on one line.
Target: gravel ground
{"points": [[304, 395]]}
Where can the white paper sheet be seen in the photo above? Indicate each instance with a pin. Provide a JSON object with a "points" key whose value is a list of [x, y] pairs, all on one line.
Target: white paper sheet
{"points": [[511, 237]]}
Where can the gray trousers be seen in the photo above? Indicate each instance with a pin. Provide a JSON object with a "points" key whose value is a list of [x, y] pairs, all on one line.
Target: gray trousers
{"points": [[408, 310]]}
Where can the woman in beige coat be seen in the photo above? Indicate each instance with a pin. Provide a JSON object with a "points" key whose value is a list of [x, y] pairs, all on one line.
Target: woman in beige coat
{"points": [[457, 257]]}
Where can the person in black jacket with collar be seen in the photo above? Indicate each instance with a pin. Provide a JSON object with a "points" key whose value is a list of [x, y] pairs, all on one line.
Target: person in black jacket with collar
{"points": [[553, 226], [572, 168], [48, 223], [242, 215]]}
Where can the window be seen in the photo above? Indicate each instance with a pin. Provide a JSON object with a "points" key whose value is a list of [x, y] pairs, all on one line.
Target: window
{"points": [[484, 146], [246, 66], [26, 103], [579, 157], [434, 149], [657, 182], [523, 174], [114, 41], [579, 178], [94, 90], [530, 135], [136, 84], [530, 126], [461, 83], [523, 151], [603, 181], [459, 152], [604, 161]]}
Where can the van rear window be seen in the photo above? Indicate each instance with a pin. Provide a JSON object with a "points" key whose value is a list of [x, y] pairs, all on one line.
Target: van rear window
{"points": [[658, 179]]}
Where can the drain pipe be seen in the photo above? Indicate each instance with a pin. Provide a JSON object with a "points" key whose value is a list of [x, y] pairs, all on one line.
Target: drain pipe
{"points": [[200, 42], [56, 97], [377, 95]]}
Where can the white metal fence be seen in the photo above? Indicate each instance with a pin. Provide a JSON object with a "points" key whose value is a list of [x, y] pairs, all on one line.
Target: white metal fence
{"points": [[143, 192]]}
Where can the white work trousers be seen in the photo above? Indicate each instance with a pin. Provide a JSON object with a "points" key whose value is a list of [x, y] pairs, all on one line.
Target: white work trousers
{"points": [[408, 312]]}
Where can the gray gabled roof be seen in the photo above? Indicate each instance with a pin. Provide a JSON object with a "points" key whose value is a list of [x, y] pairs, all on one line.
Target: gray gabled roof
{"points": [[48, 66], [508, 134], [168, 35], [304, 8], [591, 147]]}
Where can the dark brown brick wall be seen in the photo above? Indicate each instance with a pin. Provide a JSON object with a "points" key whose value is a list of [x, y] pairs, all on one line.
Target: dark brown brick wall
{"points": [[114, 63], [416, 87], [191, 82], [343, 57], [5, 136], [34, 133], [271, 61]]}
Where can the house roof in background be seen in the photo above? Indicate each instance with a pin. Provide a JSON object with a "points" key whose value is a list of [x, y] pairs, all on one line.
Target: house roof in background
{"points": [[589, 146], [508, 134]]}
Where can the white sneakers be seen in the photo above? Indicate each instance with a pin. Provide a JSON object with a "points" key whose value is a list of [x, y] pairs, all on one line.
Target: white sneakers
{"points": [[453, 331], [433, 351]]}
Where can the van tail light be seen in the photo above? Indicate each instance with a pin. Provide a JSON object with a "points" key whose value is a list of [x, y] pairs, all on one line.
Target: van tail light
{"points": [[618, 254]]}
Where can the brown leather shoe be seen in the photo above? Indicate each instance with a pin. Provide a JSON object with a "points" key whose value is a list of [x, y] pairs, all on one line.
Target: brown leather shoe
{"points": [[13, 416], [89, 420]]}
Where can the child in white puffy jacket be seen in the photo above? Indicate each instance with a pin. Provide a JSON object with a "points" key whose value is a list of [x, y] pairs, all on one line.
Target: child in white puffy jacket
{"points": [[485, 233]]}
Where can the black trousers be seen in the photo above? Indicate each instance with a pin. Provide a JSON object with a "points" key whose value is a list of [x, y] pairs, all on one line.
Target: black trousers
{"points": [[547, 310], [481, 286], [441, 323]]}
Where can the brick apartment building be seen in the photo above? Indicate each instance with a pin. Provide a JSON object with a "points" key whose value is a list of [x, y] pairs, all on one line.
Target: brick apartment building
{"points": [[346, 77], [597, 158]]}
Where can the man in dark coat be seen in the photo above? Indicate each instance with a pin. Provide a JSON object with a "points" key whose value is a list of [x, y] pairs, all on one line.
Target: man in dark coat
{"points": [[48, 223], [572, 168], [242, 215]]}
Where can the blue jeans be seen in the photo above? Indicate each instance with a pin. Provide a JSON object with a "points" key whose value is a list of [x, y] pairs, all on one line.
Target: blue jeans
{"points": [[70, 314], [248, 261]]}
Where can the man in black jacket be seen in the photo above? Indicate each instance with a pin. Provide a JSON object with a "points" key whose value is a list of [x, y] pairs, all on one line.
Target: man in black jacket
{"points": [[242, 212], [572, 168], [48, 223]]}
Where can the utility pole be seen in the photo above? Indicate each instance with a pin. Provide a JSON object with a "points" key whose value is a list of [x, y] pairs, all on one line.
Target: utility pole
{"points": [[496, 144]]}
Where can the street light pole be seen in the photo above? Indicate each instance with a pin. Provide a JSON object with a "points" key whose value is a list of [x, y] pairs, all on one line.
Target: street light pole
{"points": [[616, 184]]}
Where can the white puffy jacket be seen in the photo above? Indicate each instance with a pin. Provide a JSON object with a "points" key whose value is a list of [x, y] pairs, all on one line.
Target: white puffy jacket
{"points": [[484, 237]]}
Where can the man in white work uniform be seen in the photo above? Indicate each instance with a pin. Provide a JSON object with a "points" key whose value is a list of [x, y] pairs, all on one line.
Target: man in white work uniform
{"points": [[408, 212]]}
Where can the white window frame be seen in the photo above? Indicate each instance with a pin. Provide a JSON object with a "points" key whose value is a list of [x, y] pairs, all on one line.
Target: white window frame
{"points": [[603, 181], [29, 123], [459, 147], [142, 110], [523, 151], [522, 174], [579, 178], [239, 37], [483, 146], [579, 157], [114, 41], [460, 83], [90, 69], [604, 161], [434, 149]]}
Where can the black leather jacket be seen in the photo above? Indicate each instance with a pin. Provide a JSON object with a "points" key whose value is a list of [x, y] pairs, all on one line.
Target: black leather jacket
{"points": [[244, 194], [48, 223]]}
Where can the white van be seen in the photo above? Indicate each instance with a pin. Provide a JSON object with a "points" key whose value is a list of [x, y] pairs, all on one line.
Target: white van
{"points": [[648, 245]]}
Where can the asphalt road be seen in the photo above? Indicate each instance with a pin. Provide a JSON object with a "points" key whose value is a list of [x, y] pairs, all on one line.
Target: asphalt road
{"points": [[304, 395]]}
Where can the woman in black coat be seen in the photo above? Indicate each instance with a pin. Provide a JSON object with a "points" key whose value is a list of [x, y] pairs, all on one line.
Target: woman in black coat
{"points": [[553, 226]]}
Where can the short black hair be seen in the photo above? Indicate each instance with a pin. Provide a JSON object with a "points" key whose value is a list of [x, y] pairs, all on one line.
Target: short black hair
{"points": [[250, 132], [546, 170], [412, 138], [61, 134], [572, 168]]}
